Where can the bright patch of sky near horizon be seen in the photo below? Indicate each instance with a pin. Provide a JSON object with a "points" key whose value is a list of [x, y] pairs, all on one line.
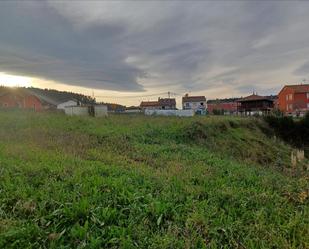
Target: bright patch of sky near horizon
{"points": [[124, 49]]}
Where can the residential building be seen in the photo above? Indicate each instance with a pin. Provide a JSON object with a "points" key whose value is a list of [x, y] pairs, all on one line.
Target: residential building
{"points": [[222, 106], [161, 104], [294, 99], [255, 104], [196, 103], [19, 99]]}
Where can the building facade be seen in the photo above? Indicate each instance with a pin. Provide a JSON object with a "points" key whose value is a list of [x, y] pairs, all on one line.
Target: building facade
{"points": [[21, 100], [294, 99], [222, 106], [161, 104], [195, 103], [255, 104]]}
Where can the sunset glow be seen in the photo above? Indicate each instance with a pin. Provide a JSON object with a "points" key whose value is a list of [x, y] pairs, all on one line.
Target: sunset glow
{"points": [[14, 80]]}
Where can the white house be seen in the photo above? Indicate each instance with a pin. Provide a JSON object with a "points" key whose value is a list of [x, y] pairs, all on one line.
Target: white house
{"points": [[196, 103], [68, 103]]}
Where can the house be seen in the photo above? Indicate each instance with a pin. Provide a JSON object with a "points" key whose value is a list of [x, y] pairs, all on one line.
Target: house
{"points": [[255, 104], [150, 105], [167, 103], [222, 106], [18, 98], [294, 99], [196, 103], [161, 104], [67, 103]]}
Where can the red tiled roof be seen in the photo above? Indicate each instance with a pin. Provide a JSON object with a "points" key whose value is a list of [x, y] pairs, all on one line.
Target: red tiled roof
{"points": [[149, 103], [167, 101], [254, 97], [193, 98], [299, 88]]}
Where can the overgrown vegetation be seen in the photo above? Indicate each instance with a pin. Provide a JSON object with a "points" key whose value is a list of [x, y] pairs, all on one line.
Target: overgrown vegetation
{"points": [[147, 182], [293, 131]]}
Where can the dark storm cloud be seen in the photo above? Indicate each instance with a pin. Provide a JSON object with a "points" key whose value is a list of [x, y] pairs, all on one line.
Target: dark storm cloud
{"points": [[37, 41], [129, 46], [303, 70]]}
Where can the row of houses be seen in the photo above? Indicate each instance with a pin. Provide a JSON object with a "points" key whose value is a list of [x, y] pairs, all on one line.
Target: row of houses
{"points": [[196, 103], [291, 100]]}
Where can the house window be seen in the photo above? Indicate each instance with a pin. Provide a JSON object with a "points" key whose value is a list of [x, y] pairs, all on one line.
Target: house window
{"points": [[289, 107], [289, 97], [202, 104], [187, 104]]}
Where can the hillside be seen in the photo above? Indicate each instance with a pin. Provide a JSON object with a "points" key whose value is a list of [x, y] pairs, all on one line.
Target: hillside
{"points": [[52, 96], [148, 182]]}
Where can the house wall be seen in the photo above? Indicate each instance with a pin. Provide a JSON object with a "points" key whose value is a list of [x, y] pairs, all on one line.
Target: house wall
{"points": [[8, 101], [298, 102], [227, 107], [17, 101], [32, 102], [194, 105], [284, 104], [301, 101]]}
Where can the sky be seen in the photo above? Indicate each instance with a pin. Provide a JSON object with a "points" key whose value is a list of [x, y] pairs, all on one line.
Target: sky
{"points": [[128, 51]]}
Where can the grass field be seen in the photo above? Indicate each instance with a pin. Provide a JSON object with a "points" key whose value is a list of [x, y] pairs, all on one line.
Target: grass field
{"points": [[148, 182]]}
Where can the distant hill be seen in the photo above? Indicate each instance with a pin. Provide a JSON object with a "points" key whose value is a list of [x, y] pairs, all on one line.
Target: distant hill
{"points": [[51, 96], [57, 97]]}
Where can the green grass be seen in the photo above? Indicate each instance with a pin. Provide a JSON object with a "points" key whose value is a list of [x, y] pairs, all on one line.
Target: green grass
{"points": [[148, 182]]}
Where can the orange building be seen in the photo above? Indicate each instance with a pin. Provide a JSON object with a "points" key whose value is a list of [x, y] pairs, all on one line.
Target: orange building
{"points": [[294, 99], [20, 99]]}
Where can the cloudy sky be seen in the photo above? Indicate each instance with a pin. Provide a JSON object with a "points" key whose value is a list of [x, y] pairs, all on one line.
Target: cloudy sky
{"points": [[119, 50]]}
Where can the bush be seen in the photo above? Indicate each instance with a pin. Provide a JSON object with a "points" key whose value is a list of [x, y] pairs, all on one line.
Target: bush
{"points": [[295, 132]]}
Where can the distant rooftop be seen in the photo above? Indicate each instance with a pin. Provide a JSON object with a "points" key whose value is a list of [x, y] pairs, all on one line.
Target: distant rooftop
{"points": [[188, 98], [254, 97], [299, 88]]}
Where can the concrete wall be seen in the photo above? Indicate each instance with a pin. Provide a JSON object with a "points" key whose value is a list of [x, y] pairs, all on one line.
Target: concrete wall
{"points": [[76, 111], [178, 113], [100, 110]]}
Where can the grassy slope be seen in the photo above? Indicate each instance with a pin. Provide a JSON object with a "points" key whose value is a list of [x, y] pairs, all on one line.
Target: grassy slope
{"points": [[145, 182]]}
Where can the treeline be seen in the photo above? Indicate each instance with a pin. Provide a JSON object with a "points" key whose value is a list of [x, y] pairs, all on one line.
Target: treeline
{"points": [[64, 95], [293, 131]]}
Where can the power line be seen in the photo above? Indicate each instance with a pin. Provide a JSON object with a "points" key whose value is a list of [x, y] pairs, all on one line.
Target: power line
{"points": [[138, 96]]}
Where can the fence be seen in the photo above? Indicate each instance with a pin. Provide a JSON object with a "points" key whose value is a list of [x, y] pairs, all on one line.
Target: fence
{"points": [[178, 113]]}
